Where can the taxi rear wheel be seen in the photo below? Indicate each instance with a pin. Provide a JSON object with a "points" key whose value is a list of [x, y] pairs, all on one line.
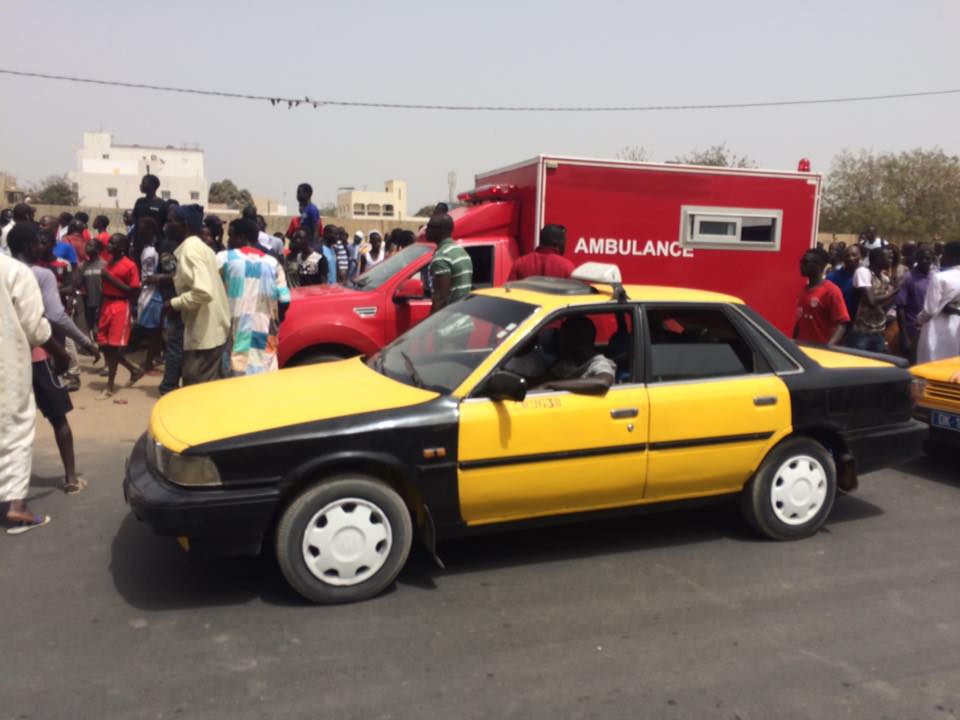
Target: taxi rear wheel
{"points": [[792, 492], [343, 540]]}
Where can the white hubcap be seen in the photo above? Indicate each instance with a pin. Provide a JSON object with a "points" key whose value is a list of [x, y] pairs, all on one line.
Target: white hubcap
{"points": [[799, 489], [347, 542]]}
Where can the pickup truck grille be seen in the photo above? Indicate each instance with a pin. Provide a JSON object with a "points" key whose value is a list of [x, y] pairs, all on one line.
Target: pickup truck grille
{"points": [[942, 391]]}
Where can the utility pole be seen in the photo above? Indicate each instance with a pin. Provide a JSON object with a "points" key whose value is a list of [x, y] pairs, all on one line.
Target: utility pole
{"points": [[452, 185]]}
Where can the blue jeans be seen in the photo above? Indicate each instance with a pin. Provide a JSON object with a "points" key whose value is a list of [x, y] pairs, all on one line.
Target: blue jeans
{"points": [[173, 356], [873, 342]]}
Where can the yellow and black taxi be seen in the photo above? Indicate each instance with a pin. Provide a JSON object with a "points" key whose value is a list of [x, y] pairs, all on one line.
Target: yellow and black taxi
{"points": [[543, 400], [937, 391]]}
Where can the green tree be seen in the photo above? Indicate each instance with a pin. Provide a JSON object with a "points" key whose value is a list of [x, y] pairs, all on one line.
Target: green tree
{"points": [[914, 194], [55, 190], [226, 192], [716, 156]]}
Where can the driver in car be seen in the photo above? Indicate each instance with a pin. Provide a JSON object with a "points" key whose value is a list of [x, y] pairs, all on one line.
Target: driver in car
{"points": [[578, 368]]}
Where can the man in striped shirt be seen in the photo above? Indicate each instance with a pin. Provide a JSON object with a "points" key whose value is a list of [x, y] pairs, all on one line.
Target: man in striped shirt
{"points": [[451, 270]]}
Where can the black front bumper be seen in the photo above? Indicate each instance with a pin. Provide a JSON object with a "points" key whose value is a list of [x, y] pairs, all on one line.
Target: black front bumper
{"points": [[878, 447], [216, 520], [938, 436]]}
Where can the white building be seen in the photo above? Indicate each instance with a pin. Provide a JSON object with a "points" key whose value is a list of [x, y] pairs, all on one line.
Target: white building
{"points": [[358, 204], [109, 175]]}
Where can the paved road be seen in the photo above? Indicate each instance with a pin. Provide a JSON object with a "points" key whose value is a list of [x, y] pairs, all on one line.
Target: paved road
{"points": [[677, 615]]}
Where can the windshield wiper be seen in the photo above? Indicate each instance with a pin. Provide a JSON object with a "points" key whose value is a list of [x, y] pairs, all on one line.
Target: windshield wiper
{"points": [[414, 375]]}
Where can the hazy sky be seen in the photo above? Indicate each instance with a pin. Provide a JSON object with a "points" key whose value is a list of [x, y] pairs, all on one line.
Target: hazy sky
{"points": [[592, 52]]}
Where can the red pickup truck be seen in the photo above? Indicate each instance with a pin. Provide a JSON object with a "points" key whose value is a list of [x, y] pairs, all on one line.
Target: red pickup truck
{"points": [[327, 322], [731, 230]]}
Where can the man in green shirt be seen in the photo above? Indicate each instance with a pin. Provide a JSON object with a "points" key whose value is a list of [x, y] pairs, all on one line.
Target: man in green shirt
{"points": [[451, 270]]}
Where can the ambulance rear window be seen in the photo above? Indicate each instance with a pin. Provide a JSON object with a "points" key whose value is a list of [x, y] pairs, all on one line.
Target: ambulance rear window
{"points": [[723, 228]]}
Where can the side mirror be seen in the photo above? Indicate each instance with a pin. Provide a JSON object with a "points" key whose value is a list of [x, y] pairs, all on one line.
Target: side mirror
{"points": [[410, 289], [505, 385]]}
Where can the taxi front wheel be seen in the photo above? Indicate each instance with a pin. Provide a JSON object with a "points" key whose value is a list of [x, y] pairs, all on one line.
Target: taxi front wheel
{"points": [[792, 492], [344, 539]]}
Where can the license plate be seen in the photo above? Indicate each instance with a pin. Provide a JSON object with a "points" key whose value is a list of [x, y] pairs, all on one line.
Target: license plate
{"points": [[945, 420]]}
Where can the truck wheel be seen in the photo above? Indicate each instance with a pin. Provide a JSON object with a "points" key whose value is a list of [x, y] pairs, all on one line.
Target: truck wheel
{"points": [[793, 490], [315, 357], [344, 540]]}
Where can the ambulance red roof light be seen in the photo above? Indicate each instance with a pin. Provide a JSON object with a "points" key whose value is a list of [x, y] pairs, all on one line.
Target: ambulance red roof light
{"points": [[488, 192], [803, 165]]}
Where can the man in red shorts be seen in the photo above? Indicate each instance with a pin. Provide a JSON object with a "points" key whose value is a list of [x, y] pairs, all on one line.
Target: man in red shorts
{"points": [[120, 282]]}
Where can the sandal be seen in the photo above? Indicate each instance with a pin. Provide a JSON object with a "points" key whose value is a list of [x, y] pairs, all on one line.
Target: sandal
{"points": [[74, 488], [21, 526]]}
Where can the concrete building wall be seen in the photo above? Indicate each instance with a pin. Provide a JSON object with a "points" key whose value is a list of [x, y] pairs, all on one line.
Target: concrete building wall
{"points": [[108, 175], [390, 204]]}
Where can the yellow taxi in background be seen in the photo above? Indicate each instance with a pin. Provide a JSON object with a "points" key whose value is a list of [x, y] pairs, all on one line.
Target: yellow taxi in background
{"points": [[937, 390], [544, 400]]}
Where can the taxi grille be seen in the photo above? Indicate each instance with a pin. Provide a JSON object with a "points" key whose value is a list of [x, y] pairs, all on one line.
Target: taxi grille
{"points": [[949, 392]]}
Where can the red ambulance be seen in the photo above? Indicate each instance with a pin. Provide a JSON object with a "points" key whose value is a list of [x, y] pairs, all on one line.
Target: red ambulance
{"points": [[732, 230]]}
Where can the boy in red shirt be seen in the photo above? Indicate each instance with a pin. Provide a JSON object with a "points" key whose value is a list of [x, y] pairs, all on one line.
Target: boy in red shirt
{"points": [[120, 281], [821, 312]]}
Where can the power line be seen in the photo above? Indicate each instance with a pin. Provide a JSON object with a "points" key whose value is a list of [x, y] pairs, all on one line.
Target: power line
{"points": [[316, 102]]}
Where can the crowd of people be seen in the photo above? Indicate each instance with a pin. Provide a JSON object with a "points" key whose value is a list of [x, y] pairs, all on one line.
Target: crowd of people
{"points": [[165, 282], [881, 297]]}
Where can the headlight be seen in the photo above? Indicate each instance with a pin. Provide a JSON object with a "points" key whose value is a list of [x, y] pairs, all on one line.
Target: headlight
{"points": [[195, 471], [917, 388]]}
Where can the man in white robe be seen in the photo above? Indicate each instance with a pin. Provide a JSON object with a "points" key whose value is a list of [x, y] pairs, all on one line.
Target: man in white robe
{"points": [[940, 318], [22, 327]]}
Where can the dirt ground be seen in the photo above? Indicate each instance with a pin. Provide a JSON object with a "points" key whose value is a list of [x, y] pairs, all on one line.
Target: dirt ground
{"points": [[99, 426]]}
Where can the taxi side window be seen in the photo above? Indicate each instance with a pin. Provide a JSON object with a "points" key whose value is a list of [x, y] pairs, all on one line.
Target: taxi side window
{"points": [[542, 356], [697, 343]]}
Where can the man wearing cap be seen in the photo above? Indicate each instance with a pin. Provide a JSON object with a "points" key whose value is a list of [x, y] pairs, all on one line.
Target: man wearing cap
{"points": [[201, 299], [547, 259]]}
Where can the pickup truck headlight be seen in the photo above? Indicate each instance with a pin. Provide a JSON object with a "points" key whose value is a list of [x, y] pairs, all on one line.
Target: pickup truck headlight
{"points": [[188, 470], [917, 389]]}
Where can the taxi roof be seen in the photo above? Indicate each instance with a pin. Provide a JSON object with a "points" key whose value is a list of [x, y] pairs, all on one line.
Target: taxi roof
{"points": [[553, 292]]}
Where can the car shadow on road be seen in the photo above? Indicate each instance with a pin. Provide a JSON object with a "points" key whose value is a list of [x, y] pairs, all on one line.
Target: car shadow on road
{"points": [[596, 538], [154, 573], [943, 469]]}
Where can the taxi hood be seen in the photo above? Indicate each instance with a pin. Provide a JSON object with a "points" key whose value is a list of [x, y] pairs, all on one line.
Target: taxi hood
{"points": [[938, 370], [223, 409]]}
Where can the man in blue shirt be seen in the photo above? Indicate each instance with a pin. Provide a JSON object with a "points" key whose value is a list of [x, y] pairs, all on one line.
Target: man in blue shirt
{"points": [[331, 235], [309, 214], [843, 279]]}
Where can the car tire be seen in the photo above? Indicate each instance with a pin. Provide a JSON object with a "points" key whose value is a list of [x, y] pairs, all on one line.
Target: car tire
{"points": [[344, 539], [792, 492]]}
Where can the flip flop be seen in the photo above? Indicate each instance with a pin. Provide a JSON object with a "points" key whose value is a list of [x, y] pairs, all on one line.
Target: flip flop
{"points": [[22, 526], [74, 488]]}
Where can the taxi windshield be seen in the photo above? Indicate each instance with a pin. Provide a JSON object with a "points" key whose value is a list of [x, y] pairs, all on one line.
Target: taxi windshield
{"points": [[379, 274], [439, 353]]}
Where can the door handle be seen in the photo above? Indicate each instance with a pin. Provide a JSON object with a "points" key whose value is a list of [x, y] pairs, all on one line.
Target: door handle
{"points": [[764, 400], [622, 413]]}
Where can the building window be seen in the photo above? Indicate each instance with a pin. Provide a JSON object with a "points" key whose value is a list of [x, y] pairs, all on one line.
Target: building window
{"points": [[164, 194], [106, 156], [373, 209], [388, 210], [722, 228], [111, 192], [358, 209], [194, 195]]}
